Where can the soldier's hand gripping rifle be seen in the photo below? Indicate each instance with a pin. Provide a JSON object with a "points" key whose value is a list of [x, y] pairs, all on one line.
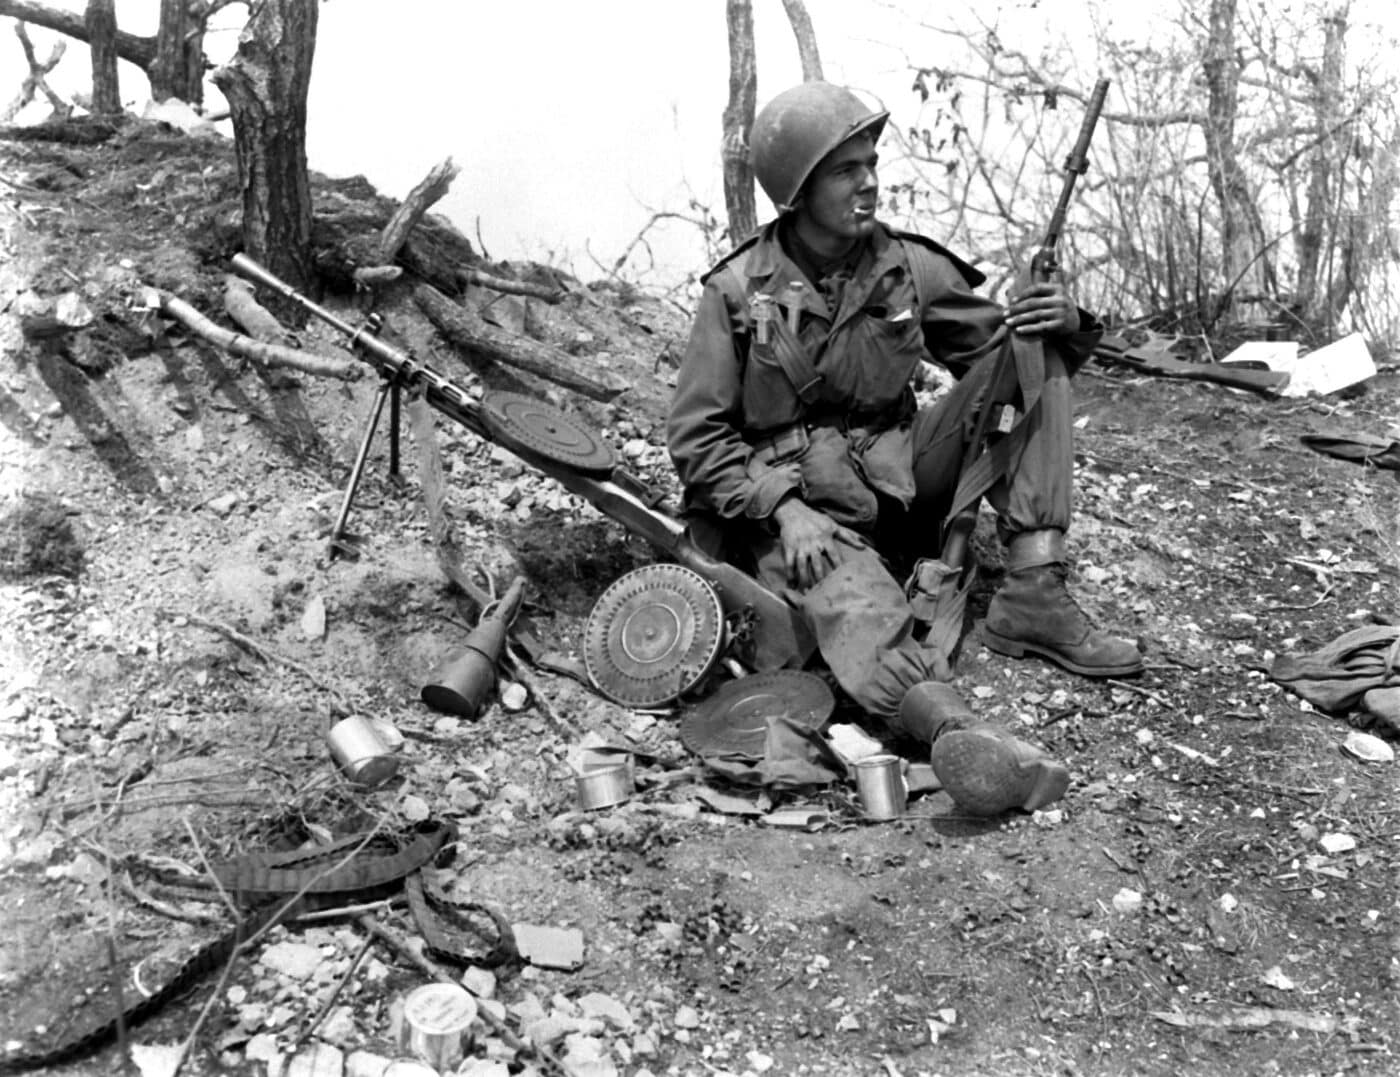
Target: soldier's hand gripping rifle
{"points": [[946, 577], [560, 447]]}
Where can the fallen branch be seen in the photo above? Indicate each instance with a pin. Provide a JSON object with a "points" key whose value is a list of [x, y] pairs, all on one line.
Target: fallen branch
{"points": [[165, 908], [514, 287], [257, 321], [374, 276], [258, 351], [429, 190], [466, 331]]}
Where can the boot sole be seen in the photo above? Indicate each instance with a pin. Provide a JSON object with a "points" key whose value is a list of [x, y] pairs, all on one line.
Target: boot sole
{"points": [[985, 776], [1013, 648]]}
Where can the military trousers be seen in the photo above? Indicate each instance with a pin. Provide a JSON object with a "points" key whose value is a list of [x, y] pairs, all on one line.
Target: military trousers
{"points": [[859, 613]]}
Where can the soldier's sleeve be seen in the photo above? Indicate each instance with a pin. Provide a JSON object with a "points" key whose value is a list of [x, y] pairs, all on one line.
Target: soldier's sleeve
{"points": [[704, 432], [960, 326]]}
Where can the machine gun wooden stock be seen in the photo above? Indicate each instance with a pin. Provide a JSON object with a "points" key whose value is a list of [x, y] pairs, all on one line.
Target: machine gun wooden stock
{"points": [[772, 634]]}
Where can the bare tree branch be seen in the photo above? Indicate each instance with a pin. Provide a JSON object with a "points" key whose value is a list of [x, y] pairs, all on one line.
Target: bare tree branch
{"points": [[140, 51], [806, 39]]}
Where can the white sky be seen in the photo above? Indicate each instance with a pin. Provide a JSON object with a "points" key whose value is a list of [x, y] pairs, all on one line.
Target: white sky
{"points": [[572, 120]]}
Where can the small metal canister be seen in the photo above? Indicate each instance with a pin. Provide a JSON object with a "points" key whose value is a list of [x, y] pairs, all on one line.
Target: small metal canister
{"points": [[361, 750], [437, 1020], [880, 783], [604, 786]]}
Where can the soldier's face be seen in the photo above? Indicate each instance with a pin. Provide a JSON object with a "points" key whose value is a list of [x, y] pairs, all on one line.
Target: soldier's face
{"points": [[839, 198]]}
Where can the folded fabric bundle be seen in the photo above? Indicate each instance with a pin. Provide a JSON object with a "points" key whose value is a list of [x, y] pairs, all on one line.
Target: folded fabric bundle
{"points": [[1359, 448], [1335, 677]]}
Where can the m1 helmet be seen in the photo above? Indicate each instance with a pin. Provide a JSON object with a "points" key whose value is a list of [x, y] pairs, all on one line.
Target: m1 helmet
{"points": [[795, 130]]}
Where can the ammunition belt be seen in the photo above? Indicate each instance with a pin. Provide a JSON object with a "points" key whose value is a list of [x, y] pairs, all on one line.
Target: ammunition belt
{"points": [[280, 886]]}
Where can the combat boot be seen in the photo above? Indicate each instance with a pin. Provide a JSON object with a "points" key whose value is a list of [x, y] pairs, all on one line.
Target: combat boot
{"points": [[984, 769], [1033, 612]]}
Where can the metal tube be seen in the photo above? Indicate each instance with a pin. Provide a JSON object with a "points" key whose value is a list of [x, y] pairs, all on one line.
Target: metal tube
{"points": [[357, 472]]}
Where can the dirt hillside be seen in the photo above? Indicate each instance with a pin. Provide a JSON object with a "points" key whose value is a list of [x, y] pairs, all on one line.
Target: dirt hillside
{"points": [[1216, 895]]}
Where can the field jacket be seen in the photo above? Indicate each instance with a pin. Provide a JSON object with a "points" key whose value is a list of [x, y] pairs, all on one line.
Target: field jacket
{"points": [[741, 434]]}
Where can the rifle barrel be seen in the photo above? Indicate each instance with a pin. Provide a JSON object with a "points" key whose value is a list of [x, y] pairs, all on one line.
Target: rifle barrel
{"points": [[1075, 164]]}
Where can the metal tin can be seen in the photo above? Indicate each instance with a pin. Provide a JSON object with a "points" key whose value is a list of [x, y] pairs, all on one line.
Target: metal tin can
{"points": [[361, 752], [437, 1020], [604, 787], [880, 782]]}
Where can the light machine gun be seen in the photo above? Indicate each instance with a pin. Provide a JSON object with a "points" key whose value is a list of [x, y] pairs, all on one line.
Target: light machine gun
{"points": [[558, 446]]}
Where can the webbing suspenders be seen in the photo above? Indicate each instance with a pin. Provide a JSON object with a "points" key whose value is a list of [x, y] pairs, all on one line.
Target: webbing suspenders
{"points": [[795, 363]]}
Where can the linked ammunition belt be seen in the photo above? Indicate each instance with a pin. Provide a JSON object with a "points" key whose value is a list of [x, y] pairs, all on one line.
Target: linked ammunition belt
{"points": [[280, 886]]}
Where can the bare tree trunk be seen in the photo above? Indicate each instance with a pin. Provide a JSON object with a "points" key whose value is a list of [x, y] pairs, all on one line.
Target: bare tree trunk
{"points": [[192, 88], [101, 21], [806, 40], [167, 70], [266, 86], [1243, 255], [738, 120], [1325, 174]]}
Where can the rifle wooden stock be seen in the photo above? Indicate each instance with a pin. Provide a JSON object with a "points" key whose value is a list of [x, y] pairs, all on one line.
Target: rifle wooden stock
{"points": [[776, 634]]}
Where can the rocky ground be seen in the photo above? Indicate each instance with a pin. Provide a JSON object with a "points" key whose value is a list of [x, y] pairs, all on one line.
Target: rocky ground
{"points": [[1216, 894]]}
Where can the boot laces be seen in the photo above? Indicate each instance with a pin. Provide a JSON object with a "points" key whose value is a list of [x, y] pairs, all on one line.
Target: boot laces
{"points": [[1060, 572]]}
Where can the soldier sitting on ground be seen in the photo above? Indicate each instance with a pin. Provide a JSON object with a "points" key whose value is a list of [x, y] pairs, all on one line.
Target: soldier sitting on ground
{"points": [[805, 460]]}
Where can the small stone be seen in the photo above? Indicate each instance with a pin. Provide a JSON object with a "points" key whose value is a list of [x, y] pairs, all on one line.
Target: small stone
{"points": [[687, 1017], [597, 1004], [313, 618], [414, 808], [72, 311], [548, 1030], [338, 1027], [295, 960], [223, 504], [1333, 844], [263, 1048], [480, 982], [482, 1067], [365, 1064], [1127, 901], [549, 947], [514, 697], [317, 1060]]}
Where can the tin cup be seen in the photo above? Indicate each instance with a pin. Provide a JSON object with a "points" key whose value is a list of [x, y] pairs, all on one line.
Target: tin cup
{"points": [[362, 752], [437, 1020], [603, 787], [880, 783]]}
